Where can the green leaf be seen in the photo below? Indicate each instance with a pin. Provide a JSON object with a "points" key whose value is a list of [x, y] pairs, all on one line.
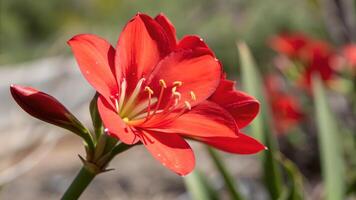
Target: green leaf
{"points": [[103, 142], [95, 117], [294, 190], [228, 179], [332, 162], [260, 127], [198, 187]]}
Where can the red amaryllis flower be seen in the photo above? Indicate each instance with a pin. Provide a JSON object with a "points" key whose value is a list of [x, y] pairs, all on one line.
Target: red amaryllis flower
{"points": [[45, 107], [289, 44], [156, 90], [349, 53], [286, 110], [315, 56]]}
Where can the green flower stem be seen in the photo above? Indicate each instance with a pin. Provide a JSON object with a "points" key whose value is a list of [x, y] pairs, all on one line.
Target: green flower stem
{"points": [[90, 170], [121, 148], [79, 184], [230, 184]]}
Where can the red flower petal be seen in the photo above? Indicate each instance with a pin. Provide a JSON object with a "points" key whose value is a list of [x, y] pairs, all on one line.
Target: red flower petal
{"points": [[196, 69], [193, 42], [141, 45], [289, 44], [287, 112], [171, 150], [207, 119], [43, 107], [241, 106], [349, 53], [241, 144], [317, 56], [169, 28], [116, 126], [95, 57]]}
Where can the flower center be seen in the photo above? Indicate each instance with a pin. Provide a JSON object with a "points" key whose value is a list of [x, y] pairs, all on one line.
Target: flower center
{"points": [[141, 113]]}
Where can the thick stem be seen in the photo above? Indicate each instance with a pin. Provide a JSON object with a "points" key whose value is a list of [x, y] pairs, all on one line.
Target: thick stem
{"points": [[90, 170], [79, 184]]}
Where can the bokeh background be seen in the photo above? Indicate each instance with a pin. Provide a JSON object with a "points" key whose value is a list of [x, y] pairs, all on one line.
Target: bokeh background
{"points": [[38, 161]]}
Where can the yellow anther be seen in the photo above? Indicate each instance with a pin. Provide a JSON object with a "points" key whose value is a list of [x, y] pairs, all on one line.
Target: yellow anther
{"points": [[187, 104], [174, 89], [162, 83], [177, 83], [149, 90], [126, 120], [193, 96]]}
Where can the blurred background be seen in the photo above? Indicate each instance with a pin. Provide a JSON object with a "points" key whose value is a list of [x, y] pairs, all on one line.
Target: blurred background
{"points": [[38, 161]]}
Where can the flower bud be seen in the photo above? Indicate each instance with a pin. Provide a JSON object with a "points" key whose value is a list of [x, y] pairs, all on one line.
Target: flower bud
{"points": [[45, 107]]}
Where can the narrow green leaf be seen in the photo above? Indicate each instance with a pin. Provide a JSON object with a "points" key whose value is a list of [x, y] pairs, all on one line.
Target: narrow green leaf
{"points": [[351, 188], [95, 117], [261, 125], [294, 189], [198, 187], [329, 143], [228, 179]]}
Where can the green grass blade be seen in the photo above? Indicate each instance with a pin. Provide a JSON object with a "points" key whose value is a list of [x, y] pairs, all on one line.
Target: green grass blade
{"points": [[260, 127], [198, 187], [294, 189], [331, 154], [228, 179]]}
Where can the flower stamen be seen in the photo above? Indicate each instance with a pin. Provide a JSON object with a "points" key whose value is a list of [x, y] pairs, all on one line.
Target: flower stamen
{"points": [[133, 97], [122, 94], [177, 83], [117, 106], [163, 85], [187, 105], [193, 96], [150, 93]]}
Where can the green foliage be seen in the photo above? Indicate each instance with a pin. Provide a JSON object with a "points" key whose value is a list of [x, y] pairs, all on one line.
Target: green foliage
{"points": [[227, 177], [32, 29], [329, 142], [198, 186], [294, 188], [260, 126]]}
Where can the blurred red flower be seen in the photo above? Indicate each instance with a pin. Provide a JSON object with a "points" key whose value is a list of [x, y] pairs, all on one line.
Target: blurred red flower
{"points": [[286, 109], [349, 53], [315, 56], [289, 44], [157, 90]]}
